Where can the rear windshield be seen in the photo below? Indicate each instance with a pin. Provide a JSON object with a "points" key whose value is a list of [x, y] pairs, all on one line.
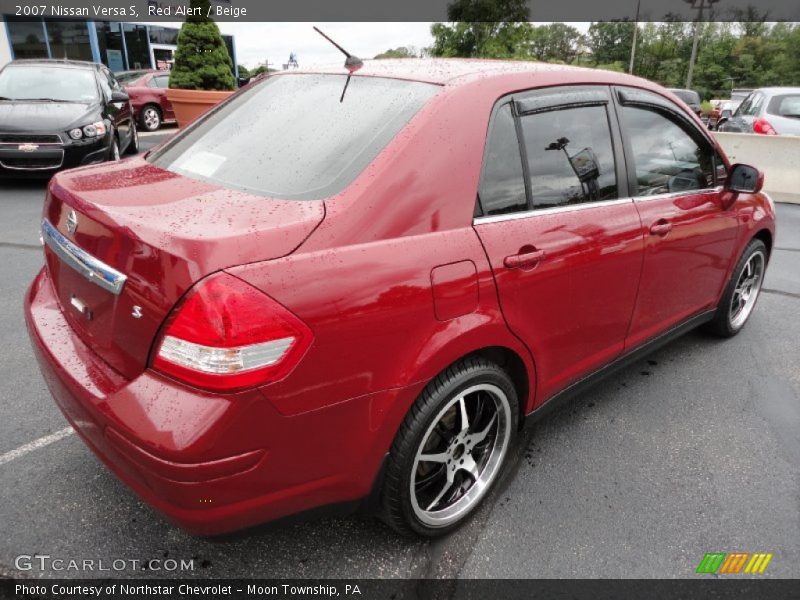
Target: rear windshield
{"points": [[785, 105], [291, 137], [687, 96]]}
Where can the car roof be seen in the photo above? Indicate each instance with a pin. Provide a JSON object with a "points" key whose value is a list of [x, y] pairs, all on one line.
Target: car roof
{"points": [[55, 62], [778, 90], [456, 71]]}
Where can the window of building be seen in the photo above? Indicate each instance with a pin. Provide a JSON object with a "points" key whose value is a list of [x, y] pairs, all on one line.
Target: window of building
{"points": [[136, 41], [163, 35], [27, 38], [109, 40], [69, 39], [570, 156]]}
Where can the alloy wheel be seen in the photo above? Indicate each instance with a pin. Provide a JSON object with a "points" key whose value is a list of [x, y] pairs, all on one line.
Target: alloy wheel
{"points": [[460, 454], [747, 288], [151, 119]]}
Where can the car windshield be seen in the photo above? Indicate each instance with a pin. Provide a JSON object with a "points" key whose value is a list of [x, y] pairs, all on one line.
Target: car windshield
{"points": [[40, 82], [293, 137], [785, 105]]}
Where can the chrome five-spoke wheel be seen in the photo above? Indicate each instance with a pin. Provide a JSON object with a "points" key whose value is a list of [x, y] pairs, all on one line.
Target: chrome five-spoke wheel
{"points": [[747, 288], [460, 455]]}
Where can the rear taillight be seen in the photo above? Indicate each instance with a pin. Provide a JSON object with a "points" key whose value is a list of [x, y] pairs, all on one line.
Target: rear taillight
{"points": [[763, 127], [227, 335]]}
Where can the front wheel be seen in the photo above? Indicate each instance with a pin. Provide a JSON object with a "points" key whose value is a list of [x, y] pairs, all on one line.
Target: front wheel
{"points": [[742, 291], [114, 152], [451, 449], [133, 145]]}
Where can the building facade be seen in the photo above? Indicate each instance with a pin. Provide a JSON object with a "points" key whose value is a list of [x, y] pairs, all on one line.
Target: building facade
{"points": [[121, 46]]}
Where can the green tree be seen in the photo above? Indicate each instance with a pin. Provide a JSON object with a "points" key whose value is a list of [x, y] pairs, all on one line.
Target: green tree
{"points": [[401, 52], [556, 42], [482, 28], [610, 41], [202, 61], [244, 72]]}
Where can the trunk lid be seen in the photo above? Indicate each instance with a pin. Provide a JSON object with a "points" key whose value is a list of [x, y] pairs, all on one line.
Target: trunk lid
{"points": [[163, 232]]}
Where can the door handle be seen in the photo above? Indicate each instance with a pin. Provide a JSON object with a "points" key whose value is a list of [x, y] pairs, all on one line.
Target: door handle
{"points": [[527, 258], [661, 227]]}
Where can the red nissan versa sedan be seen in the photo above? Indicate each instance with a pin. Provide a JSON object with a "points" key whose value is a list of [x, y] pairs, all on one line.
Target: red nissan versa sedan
{"points": [[304, 299]]}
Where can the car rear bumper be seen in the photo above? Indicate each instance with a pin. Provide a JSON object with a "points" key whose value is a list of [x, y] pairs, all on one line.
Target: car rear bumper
{"points": [[210, 463]]}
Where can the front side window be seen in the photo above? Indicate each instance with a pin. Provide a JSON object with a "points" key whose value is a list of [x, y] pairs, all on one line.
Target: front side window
{"points": [[291, 137], [502, 187], [570, 156], [666, 157]]}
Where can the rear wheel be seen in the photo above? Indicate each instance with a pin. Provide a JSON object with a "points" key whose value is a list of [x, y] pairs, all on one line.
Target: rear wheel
{"points": [[741, 294], [451, 449], [150, 117]]}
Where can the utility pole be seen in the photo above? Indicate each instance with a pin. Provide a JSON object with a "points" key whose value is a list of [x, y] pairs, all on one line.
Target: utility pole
{"points": [[635, 32], [698, 6]]}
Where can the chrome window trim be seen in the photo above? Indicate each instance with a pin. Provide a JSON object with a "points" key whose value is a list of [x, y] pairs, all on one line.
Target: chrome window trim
{"points": [[715, 190], [84, 263], [549, 211]]}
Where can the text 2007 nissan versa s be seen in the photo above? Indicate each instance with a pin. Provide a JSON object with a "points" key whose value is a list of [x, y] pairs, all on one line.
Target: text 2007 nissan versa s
{"points": [[306, 298]]}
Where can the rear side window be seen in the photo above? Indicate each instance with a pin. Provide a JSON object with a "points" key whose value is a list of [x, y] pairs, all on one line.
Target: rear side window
{"points": [[785, 105], [291, 137], [570, 156], [502, 187], [667, 158]]}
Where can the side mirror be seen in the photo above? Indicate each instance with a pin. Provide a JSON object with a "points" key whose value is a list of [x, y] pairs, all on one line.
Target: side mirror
{"points": [[744, 179], [119, 96]]}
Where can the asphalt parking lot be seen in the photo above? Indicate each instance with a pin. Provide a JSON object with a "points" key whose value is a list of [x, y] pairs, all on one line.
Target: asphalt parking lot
{"points": [[695, 449]]}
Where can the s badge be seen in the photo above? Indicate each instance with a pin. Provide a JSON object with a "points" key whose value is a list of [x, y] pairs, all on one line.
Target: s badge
{"points": [[137, 312]]}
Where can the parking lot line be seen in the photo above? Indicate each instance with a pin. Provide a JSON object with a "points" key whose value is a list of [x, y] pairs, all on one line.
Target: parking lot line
{"points": [[35, 444]]}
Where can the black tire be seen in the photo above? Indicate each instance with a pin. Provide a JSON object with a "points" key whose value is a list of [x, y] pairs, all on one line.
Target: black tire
{"points": [[724, 323], [133, 144], [113, 150], [396, 504], [150, 117]]}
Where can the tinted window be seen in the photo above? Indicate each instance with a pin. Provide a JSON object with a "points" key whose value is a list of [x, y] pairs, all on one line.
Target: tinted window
{"points": [[785, 105], [37, 82], [689, 96], [666, 156], [69, 39], [291, 136], [502, 187], [570, 156], [27, 38]]}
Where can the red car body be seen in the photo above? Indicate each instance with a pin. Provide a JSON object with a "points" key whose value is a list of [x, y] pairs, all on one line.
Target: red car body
{"points": [[150, 90], [395, 279]]}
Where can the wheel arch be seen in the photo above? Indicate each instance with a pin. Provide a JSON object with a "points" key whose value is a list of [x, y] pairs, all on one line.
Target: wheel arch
{"points": [[765, 236]]}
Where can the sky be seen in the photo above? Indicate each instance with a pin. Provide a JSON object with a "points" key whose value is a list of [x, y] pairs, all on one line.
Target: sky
{"points": [[257, 42]]}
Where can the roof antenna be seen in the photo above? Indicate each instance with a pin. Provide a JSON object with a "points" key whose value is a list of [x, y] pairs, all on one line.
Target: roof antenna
{"points": [[352, 63]]}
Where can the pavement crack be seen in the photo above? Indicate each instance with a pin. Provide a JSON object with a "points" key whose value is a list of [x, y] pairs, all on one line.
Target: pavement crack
{"points": [[20, 246], [787, 249], [780, 293]]}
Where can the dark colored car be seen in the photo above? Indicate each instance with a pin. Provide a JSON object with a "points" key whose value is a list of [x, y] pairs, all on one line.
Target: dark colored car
{"points": [[303, 299], [59, 114], [691, 98], [148, 93], [767, 111], [722, 112]]}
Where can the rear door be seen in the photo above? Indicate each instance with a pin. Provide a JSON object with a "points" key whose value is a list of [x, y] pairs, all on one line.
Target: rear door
{"points": [[677, 179], [562, 236]]}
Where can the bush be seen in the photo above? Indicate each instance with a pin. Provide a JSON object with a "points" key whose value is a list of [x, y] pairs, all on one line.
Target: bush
{"points": [[202, 61]]}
